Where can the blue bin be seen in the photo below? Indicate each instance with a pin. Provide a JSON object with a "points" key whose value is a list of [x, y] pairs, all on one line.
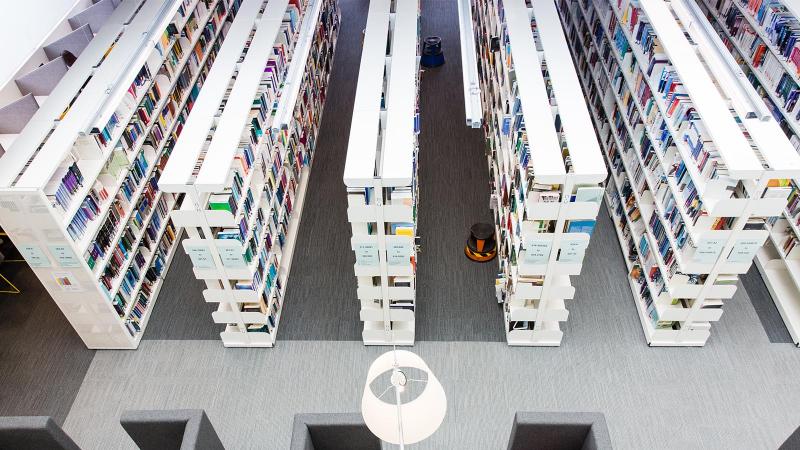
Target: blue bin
{"points": [[432, 55]]}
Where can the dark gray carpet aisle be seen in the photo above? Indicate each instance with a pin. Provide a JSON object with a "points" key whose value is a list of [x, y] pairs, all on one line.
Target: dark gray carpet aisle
{"points": [[455, 297], [180, 313], [321, 302], [765, 307], [42, 359]]}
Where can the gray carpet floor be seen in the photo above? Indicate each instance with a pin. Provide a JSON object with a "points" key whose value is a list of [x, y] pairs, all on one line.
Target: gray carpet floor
{"points": [[765, 307], [455, 297], [180, 313], [321, 302], [739, 391], [42, 359]]}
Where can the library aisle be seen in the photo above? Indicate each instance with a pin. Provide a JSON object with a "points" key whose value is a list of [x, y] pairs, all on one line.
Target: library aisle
{"points": [[320, 301], [455, 297]]}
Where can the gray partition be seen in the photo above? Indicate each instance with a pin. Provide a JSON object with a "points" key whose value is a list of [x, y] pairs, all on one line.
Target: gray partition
{"points": [[33, 433], [178, 429], [42, 80], [73, 42], [559, 431], [94, 16], [15, 115], [332, 432]]}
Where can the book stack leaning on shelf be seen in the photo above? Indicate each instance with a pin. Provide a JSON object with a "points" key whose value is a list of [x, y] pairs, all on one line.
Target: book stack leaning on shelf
{"points": [[697, 169], [381, 179], [81, 195], [545, 169], [244, 164]]}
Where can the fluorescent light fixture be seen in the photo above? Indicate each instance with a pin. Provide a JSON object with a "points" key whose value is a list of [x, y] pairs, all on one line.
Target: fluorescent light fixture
{"points": [[469, 66]]}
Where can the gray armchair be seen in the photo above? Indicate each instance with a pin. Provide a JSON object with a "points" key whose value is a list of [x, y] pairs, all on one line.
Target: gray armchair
{"points": [[34, 433], [332, 432], [171, 429], [559, 431]]}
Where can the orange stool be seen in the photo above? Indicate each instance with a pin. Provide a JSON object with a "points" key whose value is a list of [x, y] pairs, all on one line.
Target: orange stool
{"points": [[481, 245]]}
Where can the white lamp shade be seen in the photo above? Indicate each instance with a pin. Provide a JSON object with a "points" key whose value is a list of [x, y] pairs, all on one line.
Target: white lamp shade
{"points": [[421, 417]]}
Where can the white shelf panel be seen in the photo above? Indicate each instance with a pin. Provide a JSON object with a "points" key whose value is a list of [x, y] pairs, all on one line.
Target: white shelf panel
{"points": [[546, 160], [399, 143], [391, 213], [584, 150], [395, 293], [215, 172], [359, 169], [60, 143], [44, 119], [181, 165], [729, 141], [395, 315]]}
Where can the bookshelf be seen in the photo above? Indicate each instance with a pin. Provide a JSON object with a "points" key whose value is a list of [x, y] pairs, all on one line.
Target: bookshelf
{"points": [[381, 178], [752, 33], [82, 203], [35, 62], [545, 191], [690, 211], [244, 162]]}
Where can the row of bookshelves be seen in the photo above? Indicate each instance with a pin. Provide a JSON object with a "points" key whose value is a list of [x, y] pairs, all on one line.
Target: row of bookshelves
{"points": [[545, 193], [245, 174], [762, 36], [683, 255], [381, 179], [103, 205]]}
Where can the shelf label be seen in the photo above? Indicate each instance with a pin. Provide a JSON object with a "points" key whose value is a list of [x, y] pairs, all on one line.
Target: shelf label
{"points": [[398, 254], [572, 251], [708, 250], [231, 257], [537, 251], [201, 256], [67, 282], [744, 251], [366, 254], [64, 255], [34, 255]]}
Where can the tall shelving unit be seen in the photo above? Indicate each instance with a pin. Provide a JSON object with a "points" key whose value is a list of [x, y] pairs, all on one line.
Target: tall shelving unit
{"points": [[757, 38], [80, 189], [80, 192], [546, 171], [381, 178], [244, 162], [696, 170]]}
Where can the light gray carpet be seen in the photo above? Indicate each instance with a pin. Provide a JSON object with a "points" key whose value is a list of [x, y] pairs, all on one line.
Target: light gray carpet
{"points": [[738, 392]]}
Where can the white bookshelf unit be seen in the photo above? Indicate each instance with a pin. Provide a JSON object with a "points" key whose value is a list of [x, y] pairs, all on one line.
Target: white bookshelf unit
{"points": [[381, 177], [696, 169], [80, 190], [546, 171], [244, 160], [753, 33]]}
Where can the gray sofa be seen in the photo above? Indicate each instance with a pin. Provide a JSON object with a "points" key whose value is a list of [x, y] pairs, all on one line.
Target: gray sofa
{"points": [[559, 431], [33, 433], [177, 429], [332, 432]]}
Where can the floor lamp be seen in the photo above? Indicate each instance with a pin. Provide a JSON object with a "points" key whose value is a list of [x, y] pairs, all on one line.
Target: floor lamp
{"points": [[397, 422]]}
